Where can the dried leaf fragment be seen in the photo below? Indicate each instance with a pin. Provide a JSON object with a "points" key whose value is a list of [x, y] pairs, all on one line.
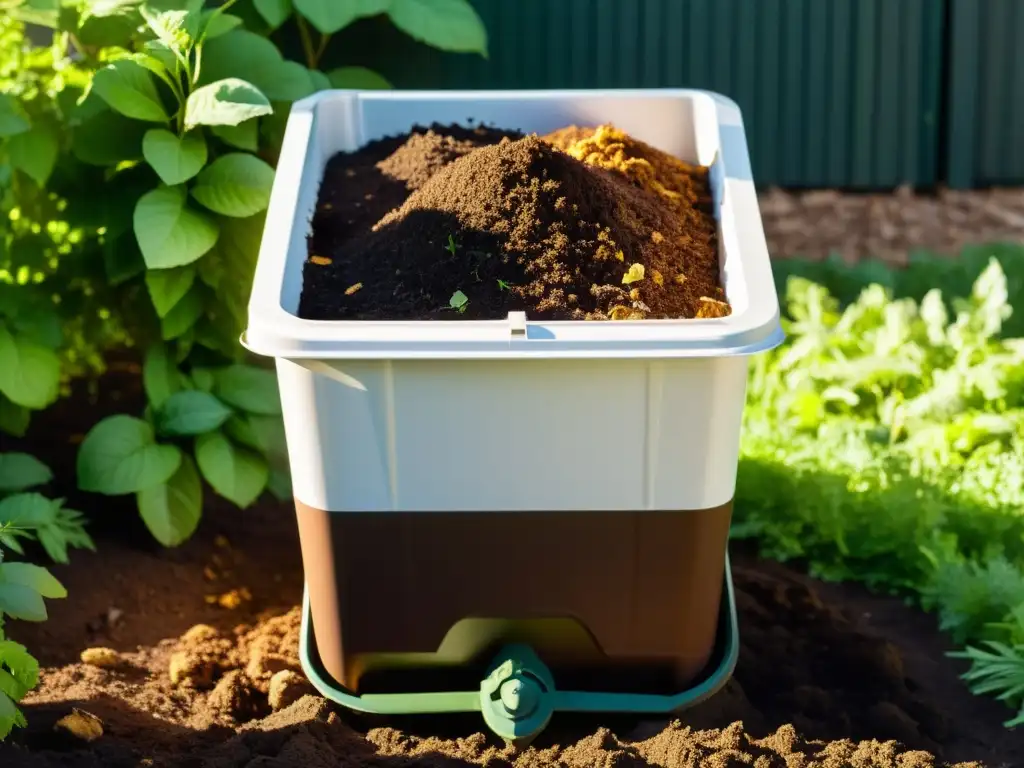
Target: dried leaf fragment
{"points": [[620, 312], [81, 724], [634, 274], [713, 308], [656, 276]]}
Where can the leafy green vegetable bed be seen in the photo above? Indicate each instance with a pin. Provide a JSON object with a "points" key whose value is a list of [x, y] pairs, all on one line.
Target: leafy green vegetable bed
{"points": [[883, 443]]}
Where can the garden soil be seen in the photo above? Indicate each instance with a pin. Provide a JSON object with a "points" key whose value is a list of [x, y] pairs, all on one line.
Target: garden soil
{"points": [[450, 223], [193, 662]]}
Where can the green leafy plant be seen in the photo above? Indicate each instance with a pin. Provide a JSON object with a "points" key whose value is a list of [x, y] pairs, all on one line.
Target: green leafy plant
{"points": [[459, 302], [28, 516], [882, 444], [136, 161]]}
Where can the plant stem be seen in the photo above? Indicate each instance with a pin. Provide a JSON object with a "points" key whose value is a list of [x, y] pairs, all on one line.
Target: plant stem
{"points": [[199, 64], [324, 39], [307, 42]]}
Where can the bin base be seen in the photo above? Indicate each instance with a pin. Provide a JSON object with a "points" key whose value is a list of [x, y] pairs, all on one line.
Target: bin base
{"points": [[518, 696]]}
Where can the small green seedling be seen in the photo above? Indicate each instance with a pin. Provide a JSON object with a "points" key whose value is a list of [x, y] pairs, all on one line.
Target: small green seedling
{"points": [[503, 286], [459, 301], [451, 247]]}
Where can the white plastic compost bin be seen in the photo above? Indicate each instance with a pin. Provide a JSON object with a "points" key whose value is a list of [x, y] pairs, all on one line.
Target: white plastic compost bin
{"points": [[460, 483]]}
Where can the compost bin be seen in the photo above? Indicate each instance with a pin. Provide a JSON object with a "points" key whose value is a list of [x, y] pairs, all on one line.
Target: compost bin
{"points": [[515, 516]]}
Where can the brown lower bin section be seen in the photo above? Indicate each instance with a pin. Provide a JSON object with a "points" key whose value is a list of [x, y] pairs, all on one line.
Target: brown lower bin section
{"points": [[611, 601]]}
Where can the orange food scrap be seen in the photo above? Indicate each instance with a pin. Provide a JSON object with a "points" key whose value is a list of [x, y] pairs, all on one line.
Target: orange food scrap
{"points": [[320, 261], [230, 600], [712, 308], [353, 288]]}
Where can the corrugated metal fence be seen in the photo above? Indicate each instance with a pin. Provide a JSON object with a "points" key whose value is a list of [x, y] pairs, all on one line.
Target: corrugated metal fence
{"points": [[986, 93], [858, 94]]}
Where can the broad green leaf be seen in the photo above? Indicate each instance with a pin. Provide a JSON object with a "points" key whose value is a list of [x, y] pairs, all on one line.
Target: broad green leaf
{"points": [[236, 185], [244, 55], [262, 433], [39, 324], [329, 16], [158, 50], [14, 419], [23, 670], [182, 316], [280, 483], [21, 602], [155, 64], [451, 25], [45, 13], [248, 388], [28, 510], [35, 152], [236, 473], [120, 455], [173, 28], [320, 81], [216, 24], [243, 136], [171, 510], [19, 471], [168, 286], [357, 78], [128, 88], [9, 716], [274, 12], [160, 375], [13, 119], [175, 160], [191, 412], [30, 373], [33, 577], [107, 138], [228, 269], [169, 233], [106, 23], [203, 379], [226, 102]]}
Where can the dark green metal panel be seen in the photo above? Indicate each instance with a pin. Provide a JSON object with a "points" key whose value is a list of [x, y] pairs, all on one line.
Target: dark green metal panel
{"points": [[985, 117], [834, 92]]}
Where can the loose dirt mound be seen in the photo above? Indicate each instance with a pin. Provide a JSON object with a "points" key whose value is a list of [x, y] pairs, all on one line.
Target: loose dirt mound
{"points": [[608, 228], [219, 698]]}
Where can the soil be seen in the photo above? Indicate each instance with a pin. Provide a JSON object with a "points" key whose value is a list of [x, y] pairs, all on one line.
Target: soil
{"points": [[446, 223], [817, 223]]}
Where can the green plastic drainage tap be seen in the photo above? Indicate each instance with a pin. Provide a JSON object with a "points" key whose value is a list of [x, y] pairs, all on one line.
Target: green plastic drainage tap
{"points": [[518, 696]]}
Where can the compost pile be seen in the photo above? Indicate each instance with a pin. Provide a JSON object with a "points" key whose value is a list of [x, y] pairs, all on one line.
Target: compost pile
{"points": [[453, 223]]}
